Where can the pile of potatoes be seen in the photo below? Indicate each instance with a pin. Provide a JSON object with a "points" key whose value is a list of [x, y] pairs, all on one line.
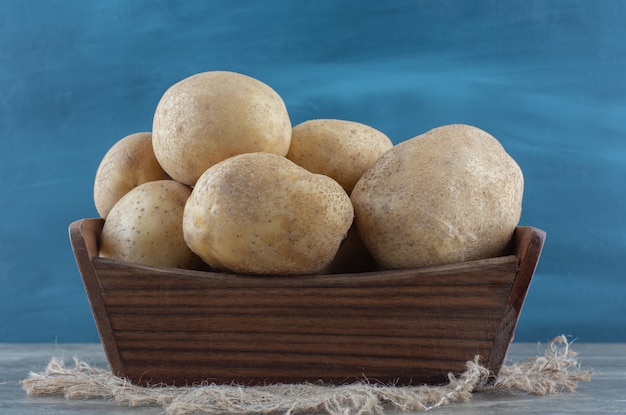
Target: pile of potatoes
{"points": [[225, 182]]}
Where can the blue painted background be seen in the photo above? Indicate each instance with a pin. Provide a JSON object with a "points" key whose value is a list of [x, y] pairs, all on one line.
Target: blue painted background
{"points": [[547, 78]]}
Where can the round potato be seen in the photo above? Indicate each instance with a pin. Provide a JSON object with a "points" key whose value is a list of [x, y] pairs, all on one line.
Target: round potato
{"points": [[450, 195], [211, 116], [340, 149], [259, 213], [128, 163], [145, 227]]}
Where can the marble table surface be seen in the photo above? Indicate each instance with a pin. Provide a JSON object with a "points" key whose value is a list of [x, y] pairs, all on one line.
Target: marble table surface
{"points": [[605, 394]]}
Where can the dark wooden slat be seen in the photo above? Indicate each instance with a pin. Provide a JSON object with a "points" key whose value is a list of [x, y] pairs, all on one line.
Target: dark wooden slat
{"points": [[528, 243], [237, 341], [425, 308], [220, 363], [307, 359], [406, 325], [228, 364], [483, 272], [85, 238], [191, 374]]}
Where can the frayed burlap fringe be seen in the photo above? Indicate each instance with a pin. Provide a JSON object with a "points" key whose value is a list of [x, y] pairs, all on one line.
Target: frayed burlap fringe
{"points": [[556, 371]]}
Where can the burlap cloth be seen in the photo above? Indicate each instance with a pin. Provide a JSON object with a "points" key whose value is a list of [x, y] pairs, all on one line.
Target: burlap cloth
{"points": [[556, 371]]}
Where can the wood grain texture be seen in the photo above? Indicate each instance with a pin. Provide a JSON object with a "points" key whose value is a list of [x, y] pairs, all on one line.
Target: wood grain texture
{"points": [[405, 326]]}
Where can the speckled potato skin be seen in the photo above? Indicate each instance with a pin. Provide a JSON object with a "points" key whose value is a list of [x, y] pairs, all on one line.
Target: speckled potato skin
{"points": [[145, 227], [259, 213], [127, 164], [450, 195], [340, 149], [211, 116]]}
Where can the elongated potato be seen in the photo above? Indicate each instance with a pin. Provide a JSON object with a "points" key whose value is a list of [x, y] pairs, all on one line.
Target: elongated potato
{"points": [[450, 195], [259, 213]]}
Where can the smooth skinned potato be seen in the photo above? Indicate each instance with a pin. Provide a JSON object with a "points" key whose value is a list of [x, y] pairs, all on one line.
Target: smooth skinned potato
{"points": [[128, 163], [211, 116], [260, 213], [450, 195], [145, 227], [340, 149]]}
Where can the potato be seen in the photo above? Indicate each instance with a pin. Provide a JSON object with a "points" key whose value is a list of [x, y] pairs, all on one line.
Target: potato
{"points": [[259, 213], [450, 195], [128, 163], [145, 227], [340, 149], [211, 116]]}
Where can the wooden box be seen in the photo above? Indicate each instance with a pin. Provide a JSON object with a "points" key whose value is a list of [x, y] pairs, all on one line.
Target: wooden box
{"points": [[412, 326]]}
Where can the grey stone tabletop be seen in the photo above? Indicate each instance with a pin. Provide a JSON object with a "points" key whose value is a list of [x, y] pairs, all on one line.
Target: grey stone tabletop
{"points": [[605, 394]]}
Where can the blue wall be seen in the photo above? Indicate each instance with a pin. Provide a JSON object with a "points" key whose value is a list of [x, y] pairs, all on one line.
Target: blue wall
{"points": [[547, 78]]}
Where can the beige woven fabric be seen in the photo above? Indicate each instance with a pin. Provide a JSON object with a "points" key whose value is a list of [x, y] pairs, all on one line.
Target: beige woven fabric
{"points": [[556, 371]]}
